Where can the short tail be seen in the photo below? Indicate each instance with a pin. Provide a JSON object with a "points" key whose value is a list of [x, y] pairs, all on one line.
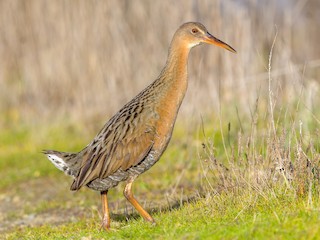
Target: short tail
{"points": [[67, 162]]}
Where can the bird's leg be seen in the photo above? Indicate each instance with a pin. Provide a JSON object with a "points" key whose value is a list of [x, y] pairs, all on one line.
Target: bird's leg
{"points": [[129, 196], [105, 211]]}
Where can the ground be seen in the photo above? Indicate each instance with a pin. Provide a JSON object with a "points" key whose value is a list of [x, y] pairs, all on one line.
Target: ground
{"points": [[194, 191]]}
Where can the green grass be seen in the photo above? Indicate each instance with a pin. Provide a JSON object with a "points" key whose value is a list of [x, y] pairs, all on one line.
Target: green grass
{"points": [[226, 217], [193, 192]]}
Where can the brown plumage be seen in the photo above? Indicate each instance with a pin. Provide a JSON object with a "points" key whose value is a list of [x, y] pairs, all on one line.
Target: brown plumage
{"points": [[136, 136]]}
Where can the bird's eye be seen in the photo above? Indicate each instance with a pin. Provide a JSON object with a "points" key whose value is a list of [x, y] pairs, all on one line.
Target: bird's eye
{"points": [[194, 30]]}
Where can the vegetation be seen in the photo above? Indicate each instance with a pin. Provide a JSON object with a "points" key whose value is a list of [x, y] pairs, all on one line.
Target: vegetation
{"points": [[244, 160], [261, 186]]}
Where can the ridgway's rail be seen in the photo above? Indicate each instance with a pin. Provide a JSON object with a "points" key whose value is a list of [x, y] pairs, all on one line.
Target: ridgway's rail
{"points": [[134, 139]]}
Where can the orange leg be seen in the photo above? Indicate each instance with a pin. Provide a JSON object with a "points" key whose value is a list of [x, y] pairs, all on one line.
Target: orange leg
{"points": [[129, 196], [105, 210]]}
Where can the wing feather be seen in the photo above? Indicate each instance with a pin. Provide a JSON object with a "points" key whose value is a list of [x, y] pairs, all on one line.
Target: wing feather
{"points": [[114, 149]]}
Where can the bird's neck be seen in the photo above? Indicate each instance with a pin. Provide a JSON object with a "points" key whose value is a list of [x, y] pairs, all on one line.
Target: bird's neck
{"points": [[176, 69], [173, 81], [174, 75]]}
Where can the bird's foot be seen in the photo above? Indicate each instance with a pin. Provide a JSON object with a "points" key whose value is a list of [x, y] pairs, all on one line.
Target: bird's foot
{"points": [[105, 224], [150, 219]]}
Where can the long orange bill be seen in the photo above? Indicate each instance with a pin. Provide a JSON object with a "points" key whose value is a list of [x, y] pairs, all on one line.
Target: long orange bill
{"points": [[215, 41]]}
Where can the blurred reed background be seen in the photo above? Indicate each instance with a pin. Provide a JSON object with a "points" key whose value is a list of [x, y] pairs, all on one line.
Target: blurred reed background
{"points": [[84, 59]]}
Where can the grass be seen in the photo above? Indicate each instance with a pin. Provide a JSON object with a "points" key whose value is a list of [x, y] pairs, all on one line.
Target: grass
{"points": [[204, 219], [228, 217], [194, 192]]}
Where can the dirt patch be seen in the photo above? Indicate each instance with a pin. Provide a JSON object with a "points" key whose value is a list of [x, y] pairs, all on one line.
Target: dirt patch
{"points": [[52, 217], [36, 202], [48, 201]]}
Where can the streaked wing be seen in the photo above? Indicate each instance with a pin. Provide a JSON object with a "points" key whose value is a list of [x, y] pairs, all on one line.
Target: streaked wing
{"points": [[122, 143]]}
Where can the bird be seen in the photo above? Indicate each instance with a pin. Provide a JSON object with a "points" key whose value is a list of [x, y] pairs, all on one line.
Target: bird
{"points": [[134, 139]]}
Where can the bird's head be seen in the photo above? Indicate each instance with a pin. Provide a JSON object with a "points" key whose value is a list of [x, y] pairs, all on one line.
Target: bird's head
{"points": [[193, 34]]}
